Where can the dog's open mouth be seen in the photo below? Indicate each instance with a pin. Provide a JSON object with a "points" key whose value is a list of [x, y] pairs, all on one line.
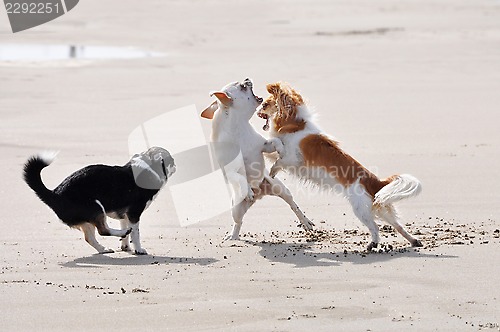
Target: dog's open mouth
{"points": [[265, 117]]}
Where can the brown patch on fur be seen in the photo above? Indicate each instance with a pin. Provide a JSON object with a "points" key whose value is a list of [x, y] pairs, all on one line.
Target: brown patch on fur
{"points": [[288, 127], [285, 95], [321, 151], [269, 106], [286, 100]]}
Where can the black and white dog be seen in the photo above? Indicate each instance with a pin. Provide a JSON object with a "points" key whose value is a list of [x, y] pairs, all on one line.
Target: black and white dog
{"points": [[85, 197]]}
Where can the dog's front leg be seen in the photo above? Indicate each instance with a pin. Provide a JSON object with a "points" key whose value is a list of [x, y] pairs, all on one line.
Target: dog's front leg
{"points": [[274, 145], [136, 240], [277, 166], [125, 241], [133, 216]]}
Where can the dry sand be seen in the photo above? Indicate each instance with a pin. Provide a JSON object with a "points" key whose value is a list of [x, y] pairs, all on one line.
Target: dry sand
{"points": [[406, 86]]}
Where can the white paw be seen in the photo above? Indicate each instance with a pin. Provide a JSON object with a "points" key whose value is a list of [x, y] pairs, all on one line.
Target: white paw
{"points": [[125, 247], [125, 232], [231, 237], [278, 146], [274, 170], [250, 195], [140, 251], [106, 251], [308, 225]]}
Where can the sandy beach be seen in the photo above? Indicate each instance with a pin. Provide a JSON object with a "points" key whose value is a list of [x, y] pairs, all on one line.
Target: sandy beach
{"points": [[405, 86]]}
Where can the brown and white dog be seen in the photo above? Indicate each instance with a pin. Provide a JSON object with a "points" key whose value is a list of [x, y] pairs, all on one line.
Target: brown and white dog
{"points": [[313, 156], [239, 148]]}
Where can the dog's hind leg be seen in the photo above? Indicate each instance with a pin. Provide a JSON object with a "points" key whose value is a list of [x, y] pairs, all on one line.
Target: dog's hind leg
{"points": [[238, 211], [274, 187], [388, 213], [361, 204], [103, 228], [241, 189], [89, 232]]}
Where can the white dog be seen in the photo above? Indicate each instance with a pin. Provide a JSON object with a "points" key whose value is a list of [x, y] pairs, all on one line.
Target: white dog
{"points": [[239, 148]]}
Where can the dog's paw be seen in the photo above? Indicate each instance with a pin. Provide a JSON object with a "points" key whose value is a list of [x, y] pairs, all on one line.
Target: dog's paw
{"points": [[128, 232], [274, 170], [231, 237], [140, 251], [106, 251], [250, 196], [278, 146], [371, 246], [416, 243], [308, 225], [125, 247]]}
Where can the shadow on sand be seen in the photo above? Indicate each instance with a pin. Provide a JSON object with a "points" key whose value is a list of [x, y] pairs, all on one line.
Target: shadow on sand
{"points": [[302, 255], [98, 260]]}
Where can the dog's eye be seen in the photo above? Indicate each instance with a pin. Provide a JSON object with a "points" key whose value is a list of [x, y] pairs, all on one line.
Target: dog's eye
{"points": [[243, 87]]}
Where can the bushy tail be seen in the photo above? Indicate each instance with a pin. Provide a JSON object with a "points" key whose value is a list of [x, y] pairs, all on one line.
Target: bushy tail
{"points": [[401, 187], [32, 170]]}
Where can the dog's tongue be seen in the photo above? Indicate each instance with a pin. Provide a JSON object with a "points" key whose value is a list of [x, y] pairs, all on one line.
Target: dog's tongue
{"points": [[266, 126], [265, 117]]}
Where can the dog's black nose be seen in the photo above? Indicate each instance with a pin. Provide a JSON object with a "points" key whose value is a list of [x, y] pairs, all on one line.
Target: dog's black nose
{"points": [[248, 82]]}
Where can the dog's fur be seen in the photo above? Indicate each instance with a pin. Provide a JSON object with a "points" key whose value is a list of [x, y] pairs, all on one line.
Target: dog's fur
{"points": [[315, 157], [239, 151], [85, 197]]}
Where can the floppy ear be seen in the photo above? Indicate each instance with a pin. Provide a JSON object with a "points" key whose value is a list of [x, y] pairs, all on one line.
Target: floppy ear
{"points": [[208, 113], [273, 88], [286, 103], [223, 98]]}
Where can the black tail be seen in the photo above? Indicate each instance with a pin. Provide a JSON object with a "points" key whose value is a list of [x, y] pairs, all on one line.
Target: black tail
{"points": [[70, 213], [32, 170]]}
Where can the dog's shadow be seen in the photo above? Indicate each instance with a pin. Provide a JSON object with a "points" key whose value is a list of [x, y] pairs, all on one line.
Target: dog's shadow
{"points": [[98, 260], [302, 255]]}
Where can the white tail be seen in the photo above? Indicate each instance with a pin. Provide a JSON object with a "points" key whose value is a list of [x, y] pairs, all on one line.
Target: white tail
{"points": [[48, 156], [403, 186]]}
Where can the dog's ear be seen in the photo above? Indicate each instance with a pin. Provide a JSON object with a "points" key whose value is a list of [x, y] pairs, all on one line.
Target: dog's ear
{"points": [[274, 88], [223, 98], [208, 113]]}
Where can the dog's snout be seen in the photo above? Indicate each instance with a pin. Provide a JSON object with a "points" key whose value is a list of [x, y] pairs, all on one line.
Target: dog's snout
{"points": [[248, 82]]}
